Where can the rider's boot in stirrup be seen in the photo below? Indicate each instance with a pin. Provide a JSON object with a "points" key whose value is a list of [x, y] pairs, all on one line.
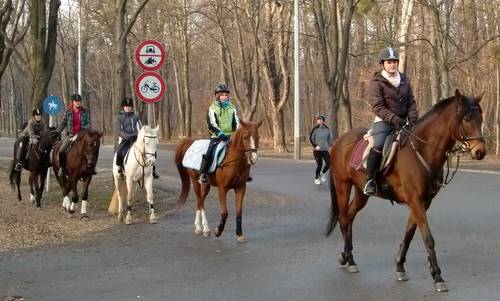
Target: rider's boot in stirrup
{"points": [[372, 166], [155, 174], [203, 179], [62, 164]]}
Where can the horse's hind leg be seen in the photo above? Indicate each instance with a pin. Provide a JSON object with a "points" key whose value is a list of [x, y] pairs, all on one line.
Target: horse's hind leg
{"points": [[32, 191], [73, 184], [223, 211], [201, 222], [18, 185], [346, 258], [130, 197]]}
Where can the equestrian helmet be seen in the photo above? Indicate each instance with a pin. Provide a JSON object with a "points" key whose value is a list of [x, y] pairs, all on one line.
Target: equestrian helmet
{"points": [[127, 102], [221, 88], [388, 53], [36, 111], [321, 116], [76, 97]]}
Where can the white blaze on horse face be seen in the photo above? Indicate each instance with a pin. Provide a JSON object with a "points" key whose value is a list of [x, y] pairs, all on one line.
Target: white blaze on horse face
{"points": [[254, 153]]}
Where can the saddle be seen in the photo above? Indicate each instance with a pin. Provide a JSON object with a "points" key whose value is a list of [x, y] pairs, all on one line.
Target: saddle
{"points": [[193, 156], [359, 157]]}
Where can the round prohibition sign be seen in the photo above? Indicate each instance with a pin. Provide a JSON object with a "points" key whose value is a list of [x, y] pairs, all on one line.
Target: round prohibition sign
{"points": [[150, 87], [150, 55]]}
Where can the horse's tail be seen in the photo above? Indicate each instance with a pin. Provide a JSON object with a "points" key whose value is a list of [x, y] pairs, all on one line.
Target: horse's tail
{"points": [[12, 173], [334, 208], [179, 155]]}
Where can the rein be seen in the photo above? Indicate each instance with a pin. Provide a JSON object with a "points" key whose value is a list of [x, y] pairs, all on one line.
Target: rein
{"points": [[144, 156]]}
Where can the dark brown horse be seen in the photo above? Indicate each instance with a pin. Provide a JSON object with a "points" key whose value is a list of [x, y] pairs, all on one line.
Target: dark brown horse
{"points": [[414, 179], [38, 162], [233, 174], [80, 164]]}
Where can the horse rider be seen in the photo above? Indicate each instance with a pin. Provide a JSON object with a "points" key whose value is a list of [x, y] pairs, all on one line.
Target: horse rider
{"points": [[33, 131], [76, 118], [321, 140], [128, 126], [393, 103], [222, 121]]}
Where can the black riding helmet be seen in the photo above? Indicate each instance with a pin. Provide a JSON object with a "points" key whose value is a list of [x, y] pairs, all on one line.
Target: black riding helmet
{"points": [[388, 54], [76, 97], [36, 111], [127, 101], [221, 88]]}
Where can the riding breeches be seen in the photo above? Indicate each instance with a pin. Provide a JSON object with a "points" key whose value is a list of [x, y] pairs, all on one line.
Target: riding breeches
{"points": [[122, 149], [208, 156], [380, 131]]}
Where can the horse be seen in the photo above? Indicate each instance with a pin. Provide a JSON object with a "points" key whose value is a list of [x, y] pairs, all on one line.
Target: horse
{"points": [[38, 162], [80, 165], [231, 174], [138, 168], [415, 177]]}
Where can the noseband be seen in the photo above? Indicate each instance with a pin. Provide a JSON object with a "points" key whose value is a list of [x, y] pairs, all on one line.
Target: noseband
{"points": [[144, 155], [464, 139], [246, 156]]}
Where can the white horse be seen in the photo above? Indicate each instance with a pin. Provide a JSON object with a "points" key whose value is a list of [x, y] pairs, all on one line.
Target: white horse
{"points": [[138, 168]]}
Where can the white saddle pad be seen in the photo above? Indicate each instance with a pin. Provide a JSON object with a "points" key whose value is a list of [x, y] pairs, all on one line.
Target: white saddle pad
{"points": [[192, 158]]}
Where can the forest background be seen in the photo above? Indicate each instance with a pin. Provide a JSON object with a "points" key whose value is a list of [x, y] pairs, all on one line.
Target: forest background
{"points": [[444, 45]]}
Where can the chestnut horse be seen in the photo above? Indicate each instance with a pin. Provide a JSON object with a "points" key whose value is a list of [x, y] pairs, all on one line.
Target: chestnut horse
{"points": [[81, 160], [38, 162], [232, 174], [414, 179]]}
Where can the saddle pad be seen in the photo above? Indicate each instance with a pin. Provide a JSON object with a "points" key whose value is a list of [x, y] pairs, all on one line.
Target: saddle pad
{"points": [[192, 158], [358, 154]]}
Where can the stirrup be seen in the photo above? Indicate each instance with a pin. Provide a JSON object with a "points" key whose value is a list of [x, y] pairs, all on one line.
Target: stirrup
{"points": [[370, 187], [62, 171], [18, 166]]}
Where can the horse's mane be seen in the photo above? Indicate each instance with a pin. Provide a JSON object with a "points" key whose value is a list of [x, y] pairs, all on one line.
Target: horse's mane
{"points": [[47, 137], [438, 107]]}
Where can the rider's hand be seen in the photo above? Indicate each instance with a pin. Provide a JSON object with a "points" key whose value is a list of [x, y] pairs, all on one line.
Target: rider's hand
{"points": [[400, 123], [224, 137], [317, 148]]}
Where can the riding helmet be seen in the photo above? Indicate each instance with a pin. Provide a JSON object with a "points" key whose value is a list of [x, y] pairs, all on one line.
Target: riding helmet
{"points": [[388, 53], [76, 97], [36, 111], [127, 101], [222, 87], [321, 116]]}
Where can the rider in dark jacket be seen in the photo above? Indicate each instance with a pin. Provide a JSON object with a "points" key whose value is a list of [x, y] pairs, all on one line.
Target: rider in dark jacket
{"points": [[33, 131], [394, 105]]}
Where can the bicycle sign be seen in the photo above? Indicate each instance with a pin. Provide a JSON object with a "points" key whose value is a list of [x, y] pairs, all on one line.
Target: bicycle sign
{"points": [[150, 55], [150, 87]]}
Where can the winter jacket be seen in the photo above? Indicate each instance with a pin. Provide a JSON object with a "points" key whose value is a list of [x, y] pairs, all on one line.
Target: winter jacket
{"points": [[67, 121], [320, 136], [392, 104], [128, 125], [222, 119], [34, 129]]}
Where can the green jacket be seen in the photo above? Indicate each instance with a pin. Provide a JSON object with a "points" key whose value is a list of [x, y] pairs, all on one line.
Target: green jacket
{"points": [[222, 119], [67, 121]]}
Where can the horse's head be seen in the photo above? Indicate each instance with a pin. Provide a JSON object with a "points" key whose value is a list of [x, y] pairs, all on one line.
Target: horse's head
{"points": [[246, 139], [49, 140], [147, 144], [91, 141], [468, 128]]}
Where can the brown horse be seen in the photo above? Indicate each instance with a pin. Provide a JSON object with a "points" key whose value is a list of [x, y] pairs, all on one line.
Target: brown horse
{"points": [[38, 162], [80, 164], [414, 179], [232, 174]]}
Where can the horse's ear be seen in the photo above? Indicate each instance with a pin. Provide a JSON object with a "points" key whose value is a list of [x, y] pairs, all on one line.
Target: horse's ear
{"points": [[243, 123], [478, 98], [457, 94]]}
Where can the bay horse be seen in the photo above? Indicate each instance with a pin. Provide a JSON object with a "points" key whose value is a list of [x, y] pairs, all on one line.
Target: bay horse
{"points": [[138, 168], [232, 174], [415, 177], [38, 162], [81, 160]]}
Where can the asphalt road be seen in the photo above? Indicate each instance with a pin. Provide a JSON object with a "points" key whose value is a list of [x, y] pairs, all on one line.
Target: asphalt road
{"points": [[287, 257]]}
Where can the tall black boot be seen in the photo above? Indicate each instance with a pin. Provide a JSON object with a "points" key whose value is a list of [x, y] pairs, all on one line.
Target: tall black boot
{"points": [[203, 179], [62, 164], [372, 166], [155, 174]]}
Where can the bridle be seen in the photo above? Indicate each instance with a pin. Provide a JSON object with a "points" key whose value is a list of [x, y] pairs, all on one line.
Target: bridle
{"points": [[144, 155]]}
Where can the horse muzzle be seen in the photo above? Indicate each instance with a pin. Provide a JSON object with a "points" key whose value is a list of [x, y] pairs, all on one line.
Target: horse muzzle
{"points": [[478, 151]]}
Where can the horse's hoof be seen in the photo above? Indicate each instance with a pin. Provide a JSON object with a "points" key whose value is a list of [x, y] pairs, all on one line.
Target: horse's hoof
{"points": [[207, 233], [242, 239], [128, 222], [352, 268], [71, 211], [153, 220], [217, 233], [342, 261], [84, 217], [441, 287], [198, 232], [401, 276]]}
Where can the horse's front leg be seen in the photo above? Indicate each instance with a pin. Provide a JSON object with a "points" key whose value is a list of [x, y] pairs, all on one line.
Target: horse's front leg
{"points": [[130, 197], [18, 185], [239, 194], [40, 187], [148, 185], [420, 218], [73, 184], [32, 190], [83, 211], [223, 210]]}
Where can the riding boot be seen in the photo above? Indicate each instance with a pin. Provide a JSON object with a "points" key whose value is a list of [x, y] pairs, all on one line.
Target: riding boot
{"points": [[155, 174], [203, 179], [372, 166], [19, 157], [62, 164]]}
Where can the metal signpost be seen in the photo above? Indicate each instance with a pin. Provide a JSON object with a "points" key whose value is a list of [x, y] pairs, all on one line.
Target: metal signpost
{"points": [[150, 86], [52, 105]]}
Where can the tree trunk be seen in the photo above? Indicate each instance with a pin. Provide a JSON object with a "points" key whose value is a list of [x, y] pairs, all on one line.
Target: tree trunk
{"points": [[407, 12]]}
